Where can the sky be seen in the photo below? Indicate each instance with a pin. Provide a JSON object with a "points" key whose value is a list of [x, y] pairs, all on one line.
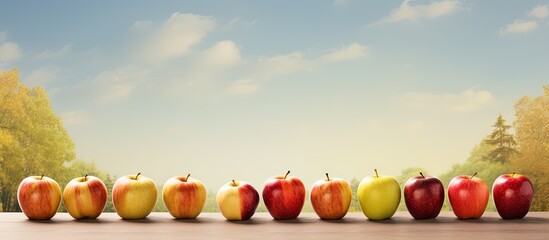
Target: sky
{"points": [[250, 89]]}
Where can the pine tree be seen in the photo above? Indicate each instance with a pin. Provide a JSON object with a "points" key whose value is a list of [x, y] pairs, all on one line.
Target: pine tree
{"points": [[502, 140]]}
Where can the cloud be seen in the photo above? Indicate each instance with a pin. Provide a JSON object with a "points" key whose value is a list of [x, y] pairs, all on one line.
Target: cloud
{"points": [[282, 65], [353, 51], [118, 84], [540, 11], [242, 87], [55, 54], [519, 26], [465, 101], [176, 36], [286, 64], [75, 118], [142, 25], [222, 54], [415, 12], [9, 51], [42, 76], [238, 22]]}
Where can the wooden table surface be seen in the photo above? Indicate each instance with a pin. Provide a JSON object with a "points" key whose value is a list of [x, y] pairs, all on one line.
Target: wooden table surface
{"points": [[262, 226]]}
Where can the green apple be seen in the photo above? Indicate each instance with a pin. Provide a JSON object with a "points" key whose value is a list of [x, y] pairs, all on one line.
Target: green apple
{"points": [[378, 196]]}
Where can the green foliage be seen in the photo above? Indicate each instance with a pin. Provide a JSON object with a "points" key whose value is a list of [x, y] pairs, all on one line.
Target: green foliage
{"points": [[355, 205], [503, 142]]}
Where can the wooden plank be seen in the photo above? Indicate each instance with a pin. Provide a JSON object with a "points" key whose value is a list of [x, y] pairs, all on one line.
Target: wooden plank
{"points": [[262, 226]]}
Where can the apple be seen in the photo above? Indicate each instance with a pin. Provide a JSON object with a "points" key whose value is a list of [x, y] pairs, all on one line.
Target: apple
{"points": [[468, 196], [134, 196], [39, 197], [424, 196], [184, 197], [331, 198], [237, 200], [513, 195], [284, 196], [85, 197], [378, 196]]}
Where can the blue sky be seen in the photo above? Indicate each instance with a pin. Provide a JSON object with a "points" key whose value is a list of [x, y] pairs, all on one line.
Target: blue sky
{"points": [[247, 89]]}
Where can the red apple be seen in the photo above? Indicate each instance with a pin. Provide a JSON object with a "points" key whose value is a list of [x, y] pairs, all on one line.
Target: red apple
{"points": [[284, 196], [184, 197], [134, 196], [468, 196], [513, 195], [331, 198], [424, 196], [237, 200], [85, 197], [39, 197]]}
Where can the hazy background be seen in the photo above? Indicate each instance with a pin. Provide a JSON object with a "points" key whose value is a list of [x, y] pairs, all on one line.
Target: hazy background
{"points": [[248, 90]]}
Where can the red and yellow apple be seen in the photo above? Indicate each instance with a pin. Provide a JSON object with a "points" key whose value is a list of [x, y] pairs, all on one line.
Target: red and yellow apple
{"points": [[134, 196], [39, 197], [237, 200], [85, 197], [378, 196], [468, 196], [184, 197], [331, 198], [513, 195], [284, 196]]}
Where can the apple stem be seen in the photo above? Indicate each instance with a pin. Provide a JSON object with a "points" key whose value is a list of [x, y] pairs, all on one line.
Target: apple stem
{"points": [[473, 175], [136, 176], [285, 176], [86, 177], [234, 183], [512, 175], [420, 173], [187, 179], [375, 170], [41, 176], [327, 176]]}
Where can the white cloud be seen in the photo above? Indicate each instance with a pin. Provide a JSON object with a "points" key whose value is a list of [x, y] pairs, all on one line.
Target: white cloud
{"points": [[519, 26], [9, 51], [353, 51], [55, 54], [142, 25], [176, 36], [540, 11], [242, 87], [75, 118], [409, 12], [42, 76], [223, 54], [465, 101], [118, 84], [238, 22], [283, 65]]}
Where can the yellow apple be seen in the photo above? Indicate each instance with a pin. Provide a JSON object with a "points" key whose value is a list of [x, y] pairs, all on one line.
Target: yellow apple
{"points": [[378, 196], [134, 196], [85, 197]]}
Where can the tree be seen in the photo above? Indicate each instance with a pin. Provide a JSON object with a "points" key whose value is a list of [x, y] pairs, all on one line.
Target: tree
{"points": [[33, 140], [502, 140], [532, 134], [355, 205]]}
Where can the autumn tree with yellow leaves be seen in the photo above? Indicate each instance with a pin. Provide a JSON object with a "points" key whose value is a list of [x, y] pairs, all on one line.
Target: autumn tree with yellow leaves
{"points": [[33, 140]]}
